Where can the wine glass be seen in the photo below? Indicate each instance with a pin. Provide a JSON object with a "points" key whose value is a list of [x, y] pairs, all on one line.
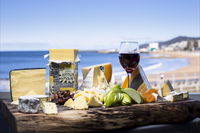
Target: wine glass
{"points": [[129, 57]]}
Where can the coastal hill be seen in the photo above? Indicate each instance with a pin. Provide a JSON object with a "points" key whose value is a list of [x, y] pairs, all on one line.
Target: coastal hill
{"points": [[172, 41]]}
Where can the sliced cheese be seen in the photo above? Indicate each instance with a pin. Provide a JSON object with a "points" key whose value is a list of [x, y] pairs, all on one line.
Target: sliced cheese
{"points": [[97, 73], [166, 89], [92, 97], [80, 103], [88, 80], [139, 80], [69, 103], [94, 102], [49, 108], [174, 97]]}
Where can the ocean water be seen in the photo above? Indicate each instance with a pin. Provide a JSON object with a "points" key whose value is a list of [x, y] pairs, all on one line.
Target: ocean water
{"points": [[10, 60]]}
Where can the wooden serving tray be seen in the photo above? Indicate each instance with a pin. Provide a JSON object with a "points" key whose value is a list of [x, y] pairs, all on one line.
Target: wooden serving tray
{"points": [[99, 119]]}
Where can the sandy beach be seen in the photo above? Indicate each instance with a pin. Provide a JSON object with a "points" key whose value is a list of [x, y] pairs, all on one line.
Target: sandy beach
{"points": [[191, 71], [186, 78]]}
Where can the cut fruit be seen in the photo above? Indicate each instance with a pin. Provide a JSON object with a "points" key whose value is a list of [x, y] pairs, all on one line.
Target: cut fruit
{"points": [[148, 95], [127, 100], [113, 99], [133, 94]]}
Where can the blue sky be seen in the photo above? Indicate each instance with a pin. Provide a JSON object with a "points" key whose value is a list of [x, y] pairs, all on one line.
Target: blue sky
{"points": [[94, 24]]}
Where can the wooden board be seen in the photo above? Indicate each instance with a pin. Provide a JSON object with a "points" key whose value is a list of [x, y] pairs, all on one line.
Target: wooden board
{"points": [[98, 119]]}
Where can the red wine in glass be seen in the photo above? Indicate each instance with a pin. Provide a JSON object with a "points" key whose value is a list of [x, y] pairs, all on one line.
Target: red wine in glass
{"points": [[129, 57], [129, 61]]}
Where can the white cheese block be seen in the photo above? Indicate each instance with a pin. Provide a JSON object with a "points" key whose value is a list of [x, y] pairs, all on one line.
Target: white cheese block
{"points": [[185, 95], [28, 104], [93, 76], [49, 108], [88, 80], [177, 96], [174, 97]]}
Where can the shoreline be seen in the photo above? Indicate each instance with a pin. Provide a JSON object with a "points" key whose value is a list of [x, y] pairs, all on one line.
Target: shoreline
{"points": [[191, 71]]}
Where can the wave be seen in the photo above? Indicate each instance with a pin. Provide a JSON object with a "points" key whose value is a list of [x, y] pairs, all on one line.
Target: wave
{"points": [[153, 66]]}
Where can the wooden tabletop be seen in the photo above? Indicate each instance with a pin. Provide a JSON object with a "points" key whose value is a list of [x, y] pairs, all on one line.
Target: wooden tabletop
{"points": [[98, 119]]}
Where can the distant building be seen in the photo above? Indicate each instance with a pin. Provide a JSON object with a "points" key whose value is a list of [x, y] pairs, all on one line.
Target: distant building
{"points": [[189, 45], [153, 46]]}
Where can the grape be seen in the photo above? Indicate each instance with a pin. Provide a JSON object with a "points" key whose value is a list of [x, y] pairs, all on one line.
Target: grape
{"points": [[60, 97]]}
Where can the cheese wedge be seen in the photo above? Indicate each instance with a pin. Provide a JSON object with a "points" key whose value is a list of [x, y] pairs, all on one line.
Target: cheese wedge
{"points": [[97, 74], [139, 81], [166, 89], [185, 95], [94, 102], [80, 103], [174, 97], [69, 103], [177, 96]]}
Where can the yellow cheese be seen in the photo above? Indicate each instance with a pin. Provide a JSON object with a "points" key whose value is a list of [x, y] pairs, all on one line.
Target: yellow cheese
{"points": [[63, 54], [69, 103], [92, 97], [139, 81], [97, 74], [30, 93], [99, 95], [27, 82], [94, 102], [70, 89], [80, 103], [167, 88], [15, 102], [83, 94]]}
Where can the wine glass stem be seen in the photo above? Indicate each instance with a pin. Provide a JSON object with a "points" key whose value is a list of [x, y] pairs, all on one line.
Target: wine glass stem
{"points": [[129, 80]]}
